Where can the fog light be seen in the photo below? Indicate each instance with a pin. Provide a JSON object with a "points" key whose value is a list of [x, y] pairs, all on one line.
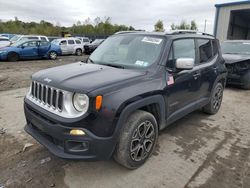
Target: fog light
{"points": [[77, 132]]}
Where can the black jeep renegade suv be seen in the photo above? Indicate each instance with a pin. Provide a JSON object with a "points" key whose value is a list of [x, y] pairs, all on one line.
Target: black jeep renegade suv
{"points": [[134, 85]]}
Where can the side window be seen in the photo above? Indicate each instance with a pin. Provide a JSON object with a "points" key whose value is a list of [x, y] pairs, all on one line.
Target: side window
{"points": [[183, 48], [32, 38], [3, 39], [215, 47], [71, 42], [78, 41], [205, 50], [85, 40], [30, 44], [63, 42], [44, 43], [43, 39]]}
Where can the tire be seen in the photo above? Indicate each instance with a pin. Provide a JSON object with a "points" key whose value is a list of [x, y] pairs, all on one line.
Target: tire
{"points": [[78, 52], [215, 101], [246, 80], [13, 56], [53, 55], [137, 140]]}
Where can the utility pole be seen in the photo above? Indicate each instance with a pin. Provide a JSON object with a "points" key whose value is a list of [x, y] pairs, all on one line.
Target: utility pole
{"points": [[205, 26]]}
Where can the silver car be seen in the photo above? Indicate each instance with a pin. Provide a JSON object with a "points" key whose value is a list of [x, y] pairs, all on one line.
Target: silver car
{"points": [[69, 45]]}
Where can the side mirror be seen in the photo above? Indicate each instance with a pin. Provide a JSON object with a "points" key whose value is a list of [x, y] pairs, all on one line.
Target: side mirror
{"points": [[22, 47], [185, 63]]}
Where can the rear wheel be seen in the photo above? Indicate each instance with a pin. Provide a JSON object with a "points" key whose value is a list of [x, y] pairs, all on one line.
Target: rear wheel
{"points": [[246, 80], [78, 52], [215, 102], [53, 55], [137, 140], [13, 56]]}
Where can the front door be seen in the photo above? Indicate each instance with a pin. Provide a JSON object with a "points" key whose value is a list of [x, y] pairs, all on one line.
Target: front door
{"points": [[29, 50], [183, 92]]}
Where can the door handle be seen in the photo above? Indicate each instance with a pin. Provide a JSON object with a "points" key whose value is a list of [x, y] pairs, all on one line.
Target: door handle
{"points": [[196, 75]]}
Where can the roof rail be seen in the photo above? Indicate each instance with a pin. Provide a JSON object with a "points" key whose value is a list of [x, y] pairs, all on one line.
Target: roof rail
{"points": [[189, 32], [133, 31]]}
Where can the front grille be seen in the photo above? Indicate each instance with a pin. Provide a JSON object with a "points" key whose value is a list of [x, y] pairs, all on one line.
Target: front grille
{"points": [[47, 95]]}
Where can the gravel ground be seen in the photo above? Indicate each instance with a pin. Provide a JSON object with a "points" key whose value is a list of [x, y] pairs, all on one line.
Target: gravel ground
{"points": [[17, 74], [196, 151]]}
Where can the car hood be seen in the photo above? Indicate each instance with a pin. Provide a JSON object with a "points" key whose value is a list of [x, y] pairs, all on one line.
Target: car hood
{"points": [[82, 77], [234, 58]]}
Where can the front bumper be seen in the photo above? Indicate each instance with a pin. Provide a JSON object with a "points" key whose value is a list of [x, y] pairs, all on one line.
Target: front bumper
{"points": [[56, 138]]}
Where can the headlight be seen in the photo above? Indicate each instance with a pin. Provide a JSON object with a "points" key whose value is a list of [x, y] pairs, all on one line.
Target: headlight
{"points": [[81, 102], [2, 52]]}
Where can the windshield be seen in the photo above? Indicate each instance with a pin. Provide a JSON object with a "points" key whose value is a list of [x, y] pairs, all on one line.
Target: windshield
{"points": [[97, 41], [128, 51], [55, 41], [18, 43], [235, 48], [15, 38]]}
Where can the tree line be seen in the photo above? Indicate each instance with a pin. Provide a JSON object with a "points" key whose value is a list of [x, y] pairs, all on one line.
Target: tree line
{"points": [[92, 28], [159, 27], [97, 27]]}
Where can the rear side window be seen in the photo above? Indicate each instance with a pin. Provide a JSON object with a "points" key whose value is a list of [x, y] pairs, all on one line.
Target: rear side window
{"points": [[44, 43], [71, 42], [215, 47], [43, 39], [78, 41], [31, 37], [205, 50], [85, 40], [4, 40]]}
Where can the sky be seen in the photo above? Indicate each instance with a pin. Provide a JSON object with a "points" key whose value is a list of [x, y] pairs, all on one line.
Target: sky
{"points": [[141, 14]]}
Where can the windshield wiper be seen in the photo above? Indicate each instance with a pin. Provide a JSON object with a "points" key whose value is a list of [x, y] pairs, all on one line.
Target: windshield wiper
{"points": [[87, 61], [112, 65]]}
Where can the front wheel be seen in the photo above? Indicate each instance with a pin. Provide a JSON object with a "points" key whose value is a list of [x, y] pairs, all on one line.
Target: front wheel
{"points": [[215, 101], [137, 140], [12, 56], [246, 80], [78, 52], [53, 55]]}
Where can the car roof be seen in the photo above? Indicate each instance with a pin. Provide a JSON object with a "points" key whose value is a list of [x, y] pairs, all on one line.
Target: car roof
{"points": [[3, 37], [68, 38], [247, 41], [171, 34]]}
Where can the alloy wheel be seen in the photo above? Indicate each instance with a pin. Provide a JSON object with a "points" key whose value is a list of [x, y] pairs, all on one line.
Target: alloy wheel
{"points": [[143, 139]]}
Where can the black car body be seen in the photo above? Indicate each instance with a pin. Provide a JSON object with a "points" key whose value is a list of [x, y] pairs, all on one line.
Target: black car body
{"points": [[165, 92], [89, 48], [237, 58]]}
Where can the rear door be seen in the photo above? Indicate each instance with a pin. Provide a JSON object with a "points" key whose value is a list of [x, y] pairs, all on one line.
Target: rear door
{"points": [[182, 94], [29, 50], [43, 48], [71, 46], [207, 64]]}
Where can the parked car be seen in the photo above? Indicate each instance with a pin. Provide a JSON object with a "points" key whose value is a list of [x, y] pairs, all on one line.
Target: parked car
{"points": [[237, 56], [84, 40], [89, 48], [69, 45], [131, 87], [4, 41], [8, 35], [30, 49], [17, 38]]}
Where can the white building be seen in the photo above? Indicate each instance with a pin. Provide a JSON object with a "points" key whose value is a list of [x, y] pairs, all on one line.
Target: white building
{"points": [[232, 21]]}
